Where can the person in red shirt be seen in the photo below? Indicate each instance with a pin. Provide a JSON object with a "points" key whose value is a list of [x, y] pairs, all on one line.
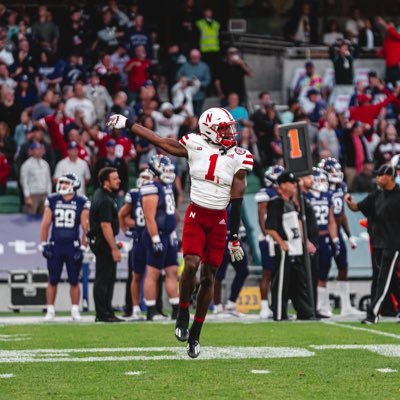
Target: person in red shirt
{"points": [[72, 135], [390, 51], [137, 70], [5, 170]]}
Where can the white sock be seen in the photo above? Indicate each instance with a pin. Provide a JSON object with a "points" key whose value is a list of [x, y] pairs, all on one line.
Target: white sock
{"points": [[150, 303], [75, 307], [264, 305], [174, 300], [51, 309], [136, 309]]}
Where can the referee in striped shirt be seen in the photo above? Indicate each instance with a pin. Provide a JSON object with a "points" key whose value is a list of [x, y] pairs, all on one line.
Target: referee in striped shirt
{"points": [[383, 206]]}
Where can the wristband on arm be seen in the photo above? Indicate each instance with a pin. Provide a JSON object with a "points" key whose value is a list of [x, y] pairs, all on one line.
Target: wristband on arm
{"points": [[128, 124], [236, 205]]}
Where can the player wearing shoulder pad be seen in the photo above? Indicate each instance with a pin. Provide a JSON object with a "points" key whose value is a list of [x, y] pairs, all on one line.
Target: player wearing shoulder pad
{"points": [[65, 211], [218, 176]]}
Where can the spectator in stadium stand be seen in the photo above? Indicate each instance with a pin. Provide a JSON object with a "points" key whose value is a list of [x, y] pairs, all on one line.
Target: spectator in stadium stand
{"points": [[4, 13], [309, 79], [73, 164], [167, 123], [209, 40], [137, 69], [199, 69], [332, 34], [239, 113], [186, 32], [327, 138], [367, 112], [139, 36], [73, 133], [354, 25], [45, 33], [230, 76], [9, 109], [145, 150], [358, 89], [5, 79], [109, 34], [5, 55], [8, 146], [382, 206], [288, 116], [171, 63], [356, 150], [365, 181], [99, 96], [24, 61], [5, 170], [121, 17], [108, 74], [82, 104], [24, 32], [342, 56], [183, 92], [35, 135], [22, 128], [111, 160], [315, 106], [390, 51], [35, 180], [147, 100], [45, 106], [26, 95], [302, 26], [75, 69], [369, 37], [119, 59], [120, 106], [49, 71], [388, 146]]}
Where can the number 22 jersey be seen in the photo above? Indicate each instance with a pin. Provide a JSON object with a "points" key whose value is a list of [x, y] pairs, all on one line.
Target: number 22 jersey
{"points": [[66, 218], [212, 170], [322, 203]]}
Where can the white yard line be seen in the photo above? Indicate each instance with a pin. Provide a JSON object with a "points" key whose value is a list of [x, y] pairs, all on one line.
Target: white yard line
{"points": [[133, 373], [386, 370], [359, 328], [7, 376], [260, 371]]}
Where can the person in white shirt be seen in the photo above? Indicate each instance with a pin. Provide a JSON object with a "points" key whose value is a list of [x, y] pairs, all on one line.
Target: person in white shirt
{"points": [[167, 123], [354, 25], [79, 103], [73, 164], [332, 35], [35, 179], [183, 92]]}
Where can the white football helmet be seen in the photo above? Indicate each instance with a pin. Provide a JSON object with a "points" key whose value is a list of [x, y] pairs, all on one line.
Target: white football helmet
{"points": [[143, 177], [218, 125], [68, 184], [320, 180]]}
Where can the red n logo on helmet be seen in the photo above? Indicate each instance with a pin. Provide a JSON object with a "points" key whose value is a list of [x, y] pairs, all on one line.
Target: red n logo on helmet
{"points": [[208, 118]]}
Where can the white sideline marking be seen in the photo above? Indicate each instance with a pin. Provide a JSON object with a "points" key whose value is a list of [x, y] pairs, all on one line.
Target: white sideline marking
{"points": [[14, 338], [386, 370], [133, 373], [386, 350], [164, 353], [260, 371], [6, 376], [359, 328]]}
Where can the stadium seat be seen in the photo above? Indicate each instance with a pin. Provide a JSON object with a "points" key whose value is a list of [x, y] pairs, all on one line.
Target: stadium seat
{"points": [[253, 184], [10, 204]]}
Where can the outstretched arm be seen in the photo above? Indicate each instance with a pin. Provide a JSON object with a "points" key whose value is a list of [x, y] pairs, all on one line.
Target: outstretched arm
{"points": [[169, 145]]}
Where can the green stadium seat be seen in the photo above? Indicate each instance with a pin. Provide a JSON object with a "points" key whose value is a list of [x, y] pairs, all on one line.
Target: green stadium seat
{"points": [[10, 204], [253, 184]]}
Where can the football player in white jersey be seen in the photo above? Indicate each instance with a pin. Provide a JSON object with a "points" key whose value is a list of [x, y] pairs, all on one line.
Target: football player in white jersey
{"points": [[218, 170]]}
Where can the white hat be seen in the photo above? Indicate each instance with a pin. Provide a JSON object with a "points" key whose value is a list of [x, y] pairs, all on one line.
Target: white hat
{"points": [[166, 106]]}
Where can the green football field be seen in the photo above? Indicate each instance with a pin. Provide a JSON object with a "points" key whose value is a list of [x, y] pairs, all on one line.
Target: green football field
{"points": [[287, 360]]}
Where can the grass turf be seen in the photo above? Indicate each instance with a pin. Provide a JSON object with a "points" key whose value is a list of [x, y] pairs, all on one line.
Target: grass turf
{"points": [[329, 374]]}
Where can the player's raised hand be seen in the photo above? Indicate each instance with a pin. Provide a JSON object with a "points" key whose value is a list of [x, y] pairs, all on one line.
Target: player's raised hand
{"points": [[235, 250], [117, 121]]}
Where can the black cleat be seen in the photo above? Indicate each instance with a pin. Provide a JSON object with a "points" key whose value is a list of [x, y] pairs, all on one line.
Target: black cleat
{"points": [[182, 325], [370, 320], [193, 348]]}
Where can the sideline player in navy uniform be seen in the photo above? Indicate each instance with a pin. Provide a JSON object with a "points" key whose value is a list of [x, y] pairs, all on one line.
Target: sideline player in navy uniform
{"points": [[132, 222], [65, 211], [159, 237], [265, 242], [321, 200], [338, 190]]}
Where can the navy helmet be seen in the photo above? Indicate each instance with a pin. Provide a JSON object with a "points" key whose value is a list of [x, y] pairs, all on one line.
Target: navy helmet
{"points": [[271, 175], [161, 167], [333, 169]]}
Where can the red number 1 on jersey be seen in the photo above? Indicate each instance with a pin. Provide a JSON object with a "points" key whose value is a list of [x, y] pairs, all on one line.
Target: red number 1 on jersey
{"points": [[211, 169], [295, 151]]}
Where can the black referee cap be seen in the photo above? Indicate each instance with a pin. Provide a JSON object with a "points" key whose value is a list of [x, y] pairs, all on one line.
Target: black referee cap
{"points": [[286, 176], [385, 170]]}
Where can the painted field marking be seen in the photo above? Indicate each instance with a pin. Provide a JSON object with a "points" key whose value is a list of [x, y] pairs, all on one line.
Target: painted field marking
{"points": [[7, 376], [386, 350], [133, 373], [359, 328], [142, 354], [386, 370], [260, 371], [15, 338]]}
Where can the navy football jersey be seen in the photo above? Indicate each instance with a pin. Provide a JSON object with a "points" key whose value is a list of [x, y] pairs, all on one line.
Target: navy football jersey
{"points": [[321, 205], [338, 192], [133, 198], [66, 217], [265, 194], [165, 216]]}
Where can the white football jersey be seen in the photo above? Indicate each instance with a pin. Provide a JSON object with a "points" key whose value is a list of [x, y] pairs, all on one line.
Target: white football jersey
{"points": [[212, 171]]}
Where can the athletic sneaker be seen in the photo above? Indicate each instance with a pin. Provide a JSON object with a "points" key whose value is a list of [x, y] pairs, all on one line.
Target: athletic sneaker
{"points": [[193, 348], [182, 325], [370, 320], [351, 311], [231, 309], [75, 315], [137, 316], [49, 316]]}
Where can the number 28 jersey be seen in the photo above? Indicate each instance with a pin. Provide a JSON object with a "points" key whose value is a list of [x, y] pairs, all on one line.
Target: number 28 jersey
{"points": [[211, 171], [66, 216]]}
